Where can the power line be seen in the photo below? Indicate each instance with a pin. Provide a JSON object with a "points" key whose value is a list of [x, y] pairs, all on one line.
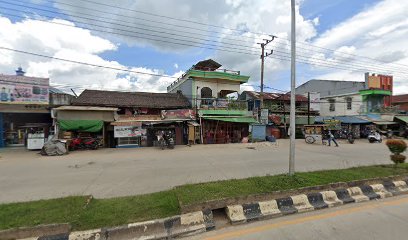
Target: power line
{"points": [[305, 58], [118, 24], [85, 63], [217, 26], [168, 17]]}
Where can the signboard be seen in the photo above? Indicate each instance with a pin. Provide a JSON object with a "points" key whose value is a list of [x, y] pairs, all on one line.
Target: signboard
{"points": [[128, 131], [315, 101], [264, 116], [178, 114], [332, 124], [374, 82], [20, 92]]}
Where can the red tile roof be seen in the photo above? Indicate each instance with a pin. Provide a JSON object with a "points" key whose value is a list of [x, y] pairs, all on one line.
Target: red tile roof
{"points": [[400, 98], [131, 99]]}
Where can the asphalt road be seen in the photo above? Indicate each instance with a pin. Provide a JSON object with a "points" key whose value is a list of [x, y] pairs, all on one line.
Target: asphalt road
{"points": [[383, 219], [25, 175]]}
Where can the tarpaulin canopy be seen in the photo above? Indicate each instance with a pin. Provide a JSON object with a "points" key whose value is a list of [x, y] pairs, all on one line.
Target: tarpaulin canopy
{"points": [[233, 119], [81, 125]]}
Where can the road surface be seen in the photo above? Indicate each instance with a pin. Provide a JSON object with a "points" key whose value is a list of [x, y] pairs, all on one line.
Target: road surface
{"points": [[104, 173], [382, 219]]}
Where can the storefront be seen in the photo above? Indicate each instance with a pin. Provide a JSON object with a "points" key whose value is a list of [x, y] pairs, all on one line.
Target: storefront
{"points": [[225, 126], [84, 122], [129, 135], [24, 112]]}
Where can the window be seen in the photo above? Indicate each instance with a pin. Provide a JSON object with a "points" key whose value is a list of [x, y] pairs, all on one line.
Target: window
{"points": [[349, 103], [332, 106], [206, 95]]}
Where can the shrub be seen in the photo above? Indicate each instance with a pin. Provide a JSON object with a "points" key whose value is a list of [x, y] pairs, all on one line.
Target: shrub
{"points": [[396, 146], [398, 158]]}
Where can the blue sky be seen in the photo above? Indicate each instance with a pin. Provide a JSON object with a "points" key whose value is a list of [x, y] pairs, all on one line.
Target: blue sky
{"points": [[161, 58]]}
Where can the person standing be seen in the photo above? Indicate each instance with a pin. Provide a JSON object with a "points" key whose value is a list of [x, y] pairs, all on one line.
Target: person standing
{"points": [[331, 138]]}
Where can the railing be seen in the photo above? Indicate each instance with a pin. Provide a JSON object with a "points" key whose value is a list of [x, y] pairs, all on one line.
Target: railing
{"points": [[220, 103], [201, 69]]}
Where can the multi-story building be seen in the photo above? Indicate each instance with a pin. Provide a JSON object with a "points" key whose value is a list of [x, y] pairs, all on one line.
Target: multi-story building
{"points": [[348, 98], [223, 118]]}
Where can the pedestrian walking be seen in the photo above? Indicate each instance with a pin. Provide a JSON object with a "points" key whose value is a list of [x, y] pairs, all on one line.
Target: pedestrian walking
{"points": [[331, 138]]}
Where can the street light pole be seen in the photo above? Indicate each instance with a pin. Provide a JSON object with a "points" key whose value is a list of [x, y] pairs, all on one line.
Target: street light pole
{"points": [[292, 92]]}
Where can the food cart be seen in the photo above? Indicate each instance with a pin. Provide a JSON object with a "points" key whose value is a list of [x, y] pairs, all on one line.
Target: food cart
{"points": [[314, 133]]}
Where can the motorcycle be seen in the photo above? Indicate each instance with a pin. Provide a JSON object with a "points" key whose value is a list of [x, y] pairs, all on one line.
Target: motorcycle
{"points": [[374, 137], [165, 139], [84, 143]]}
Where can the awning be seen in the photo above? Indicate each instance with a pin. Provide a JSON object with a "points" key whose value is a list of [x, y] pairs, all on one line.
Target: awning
{"points": [[300, 120], [233, 119], [81, 125], [192, 123], [127, 123], [402, 118], [344, 119], [384, 123]]}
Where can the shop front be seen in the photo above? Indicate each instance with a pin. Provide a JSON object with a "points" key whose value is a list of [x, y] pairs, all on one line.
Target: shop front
{"points": [[79, 122], [225, 126], [18, 129]]}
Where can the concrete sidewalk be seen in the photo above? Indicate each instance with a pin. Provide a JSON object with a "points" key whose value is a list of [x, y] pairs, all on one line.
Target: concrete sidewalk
{"points": [[26, 175]]}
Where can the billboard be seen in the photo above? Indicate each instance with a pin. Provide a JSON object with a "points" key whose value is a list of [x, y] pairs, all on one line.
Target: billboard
{"points": [[128, 131], [17, 91], [315, 101], [178, 114]]}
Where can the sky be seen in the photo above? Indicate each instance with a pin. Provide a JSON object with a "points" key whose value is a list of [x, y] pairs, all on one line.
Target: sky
{"points": [[156, 41]]}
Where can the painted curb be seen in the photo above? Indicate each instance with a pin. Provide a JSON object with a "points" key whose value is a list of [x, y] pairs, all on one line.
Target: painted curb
{"points": [[319, 200], [52, 231], [178, 226], [201, 221]]}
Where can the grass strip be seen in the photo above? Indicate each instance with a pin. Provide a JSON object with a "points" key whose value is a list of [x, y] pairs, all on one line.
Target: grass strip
{"points": [[117, 211]]}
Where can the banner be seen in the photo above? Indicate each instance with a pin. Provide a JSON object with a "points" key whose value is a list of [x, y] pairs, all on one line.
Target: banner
{"points": [[179, 114], [315, 101], [23, 93], [128, 131]]}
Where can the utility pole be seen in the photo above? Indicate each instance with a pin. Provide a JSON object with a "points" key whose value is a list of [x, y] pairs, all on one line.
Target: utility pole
{"points": [[308, 107], [263, 56], [292, 92]]}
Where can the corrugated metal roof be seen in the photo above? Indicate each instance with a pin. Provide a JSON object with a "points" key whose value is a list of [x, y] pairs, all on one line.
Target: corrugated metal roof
{"points": [[85, 108], [402, 118], [344, 119]]}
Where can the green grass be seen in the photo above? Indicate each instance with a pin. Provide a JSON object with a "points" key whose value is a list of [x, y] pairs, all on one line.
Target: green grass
{"points": [[118, 211]]}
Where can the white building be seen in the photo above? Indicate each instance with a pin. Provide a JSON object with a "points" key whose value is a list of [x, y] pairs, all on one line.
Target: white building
{"points": [[342, 105]]}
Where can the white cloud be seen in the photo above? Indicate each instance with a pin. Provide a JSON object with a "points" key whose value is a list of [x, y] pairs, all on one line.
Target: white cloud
{"points": [[74, 44], [377, 33], [176, 66]]}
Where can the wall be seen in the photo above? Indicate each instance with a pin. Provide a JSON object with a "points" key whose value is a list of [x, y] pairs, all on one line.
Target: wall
{"points": [[402, 106], [330, 88], [217, 85], [357, 105], [86, 115], [60, 99]]}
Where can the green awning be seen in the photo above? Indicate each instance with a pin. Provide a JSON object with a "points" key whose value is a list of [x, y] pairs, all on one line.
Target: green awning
{"points": [[402, 118], [233, 119], [300, 120], [81, 125]]}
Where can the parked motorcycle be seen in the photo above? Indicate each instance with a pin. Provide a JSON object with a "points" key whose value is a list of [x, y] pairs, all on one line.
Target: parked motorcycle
{"points": [[374, 137], [84, 143], [165, 139]]}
